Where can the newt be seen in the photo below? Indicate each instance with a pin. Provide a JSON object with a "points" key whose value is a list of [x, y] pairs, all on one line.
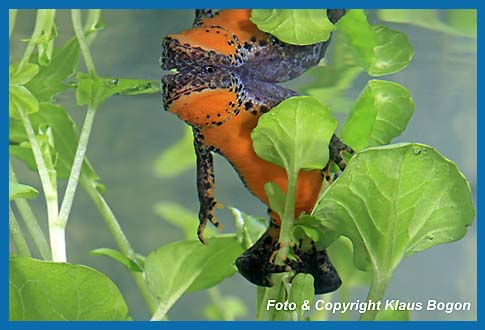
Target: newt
{"points": [[226, 78]]}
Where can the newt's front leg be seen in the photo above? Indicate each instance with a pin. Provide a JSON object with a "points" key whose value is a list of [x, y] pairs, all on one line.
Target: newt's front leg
{"points": [[205, 184]]}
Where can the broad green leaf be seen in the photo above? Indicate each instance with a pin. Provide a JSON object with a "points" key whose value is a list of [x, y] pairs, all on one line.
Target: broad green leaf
{"points": [[23, 76], [394, 201], [302, 293], [177, 158], [116, 255], [248, 228], [40, 290], [378, 49], [294, 26], [295, 133], [380, 114], [21, 98], [340, 252], [393, 315], [452, 21], [187, 266], [17, 190], [65, 139], [180, 217], [93, 90]]}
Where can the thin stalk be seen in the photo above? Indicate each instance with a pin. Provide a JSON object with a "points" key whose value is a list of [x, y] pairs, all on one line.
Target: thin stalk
{"points": [[57, 241], [260, 291], [76, 168], [376, 293], [91, 20], [31, 222], [121, 241], [17, 236], [39, 24], [81, 38], [288, 217], [12, 15]]}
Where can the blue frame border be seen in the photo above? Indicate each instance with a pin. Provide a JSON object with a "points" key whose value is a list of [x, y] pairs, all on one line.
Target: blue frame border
{"points": [[147, 4]]}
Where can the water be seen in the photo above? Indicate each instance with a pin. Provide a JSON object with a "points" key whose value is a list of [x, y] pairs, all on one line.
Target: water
{"points": [[130, 132]]}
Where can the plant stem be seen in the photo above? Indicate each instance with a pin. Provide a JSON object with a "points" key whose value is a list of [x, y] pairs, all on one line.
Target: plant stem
{"points": [[31, 222], [56, 237], [81, 38], [120, 239], [376, 293], [76, 168], [288, 213], [39, 24], [18, 238], [12, 15]]}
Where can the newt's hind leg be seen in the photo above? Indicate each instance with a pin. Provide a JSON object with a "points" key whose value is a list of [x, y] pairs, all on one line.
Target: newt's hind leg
{"points": [[205, 185]]}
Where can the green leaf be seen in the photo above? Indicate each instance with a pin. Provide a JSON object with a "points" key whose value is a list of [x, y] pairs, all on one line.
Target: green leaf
{"points": [[380, 114], [394, 201], [248, 228], [65, 139], [17, 190], [294, 26], [302, 290], [378, 49], [452, 21], [296, 132], [41, 290], [278, 293], [116, 255], [23, 76], [308, 226], [187, 266], [21, 98], [393, 315], [63, 64], [340, 252], [93, 90], [177, 158], [180, 217]]}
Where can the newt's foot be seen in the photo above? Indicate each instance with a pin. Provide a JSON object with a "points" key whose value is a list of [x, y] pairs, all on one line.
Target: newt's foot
{"points": [[206, 213], [256, 264], [318, 264]]}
